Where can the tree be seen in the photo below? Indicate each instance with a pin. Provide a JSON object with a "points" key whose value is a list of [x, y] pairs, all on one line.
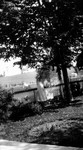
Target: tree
{"points": [[80, 61], [79, 58], [39, 31], [43, 73]]}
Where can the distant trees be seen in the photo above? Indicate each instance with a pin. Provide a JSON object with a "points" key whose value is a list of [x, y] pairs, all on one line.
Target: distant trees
{"points": [[39, 31]]}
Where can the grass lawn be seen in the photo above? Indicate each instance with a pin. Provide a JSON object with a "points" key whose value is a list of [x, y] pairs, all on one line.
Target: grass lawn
{"points": [[18, 79], [63, 126]]}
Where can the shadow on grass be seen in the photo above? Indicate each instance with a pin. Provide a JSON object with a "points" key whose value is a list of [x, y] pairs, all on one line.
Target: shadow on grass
{"points": [[20, 113], [28, 110], [71, 137]]}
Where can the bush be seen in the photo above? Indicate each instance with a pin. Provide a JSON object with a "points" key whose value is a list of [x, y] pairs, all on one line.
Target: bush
{"points": [[18, 109], [5, 104], [24, 108], [14, 109], [36, 108], [34, 105]]}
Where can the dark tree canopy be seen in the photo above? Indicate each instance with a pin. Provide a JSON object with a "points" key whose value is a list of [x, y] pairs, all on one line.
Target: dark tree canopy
{"points": [[40, 33]]}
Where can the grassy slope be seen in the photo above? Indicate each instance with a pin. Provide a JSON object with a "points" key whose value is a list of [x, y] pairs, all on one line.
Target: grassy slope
{"points": [[69, 127], [17, 79], [68, 123]]}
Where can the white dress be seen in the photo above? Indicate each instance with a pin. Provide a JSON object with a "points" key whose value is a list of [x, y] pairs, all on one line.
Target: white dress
{"points": [[41, 91]]}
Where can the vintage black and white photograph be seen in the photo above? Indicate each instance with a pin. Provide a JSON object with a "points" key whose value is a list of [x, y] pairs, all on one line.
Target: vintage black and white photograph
{"points": [[41, 74]]}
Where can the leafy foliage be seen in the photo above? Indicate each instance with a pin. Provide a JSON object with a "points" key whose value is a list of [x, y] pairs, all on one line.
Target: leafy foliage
{"points": [[37, 32], [43, 73], [43, 32], [13, 109], [5, 104], [24, 108]]}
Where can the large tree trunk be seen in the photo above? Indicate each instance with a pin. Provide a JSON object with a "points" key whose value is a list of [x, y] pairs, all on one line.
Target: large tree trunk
{"points": [[67, 91]]}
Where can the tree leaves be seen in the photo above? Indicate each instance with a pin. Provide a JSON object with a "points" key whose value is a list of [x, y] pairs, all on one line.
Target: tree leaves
{"points": [[51, 25]]}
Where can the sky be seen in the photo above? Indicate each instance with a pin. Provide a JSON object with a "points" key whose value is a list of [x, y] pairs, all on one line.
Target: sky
{"points": [[9, 69]]}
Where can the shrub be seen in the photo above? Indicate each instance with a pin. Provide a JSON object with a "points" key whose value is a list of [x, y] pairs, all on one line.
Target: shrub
{"points": [[18, 110], [34, 105], [14, 109], [5, 104], [36, 108], [24, 108]]}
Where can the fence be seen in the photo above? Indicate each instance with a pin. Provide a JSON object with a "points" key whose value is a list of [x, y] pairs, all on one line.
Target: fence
{"points": [[76, 85]]}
